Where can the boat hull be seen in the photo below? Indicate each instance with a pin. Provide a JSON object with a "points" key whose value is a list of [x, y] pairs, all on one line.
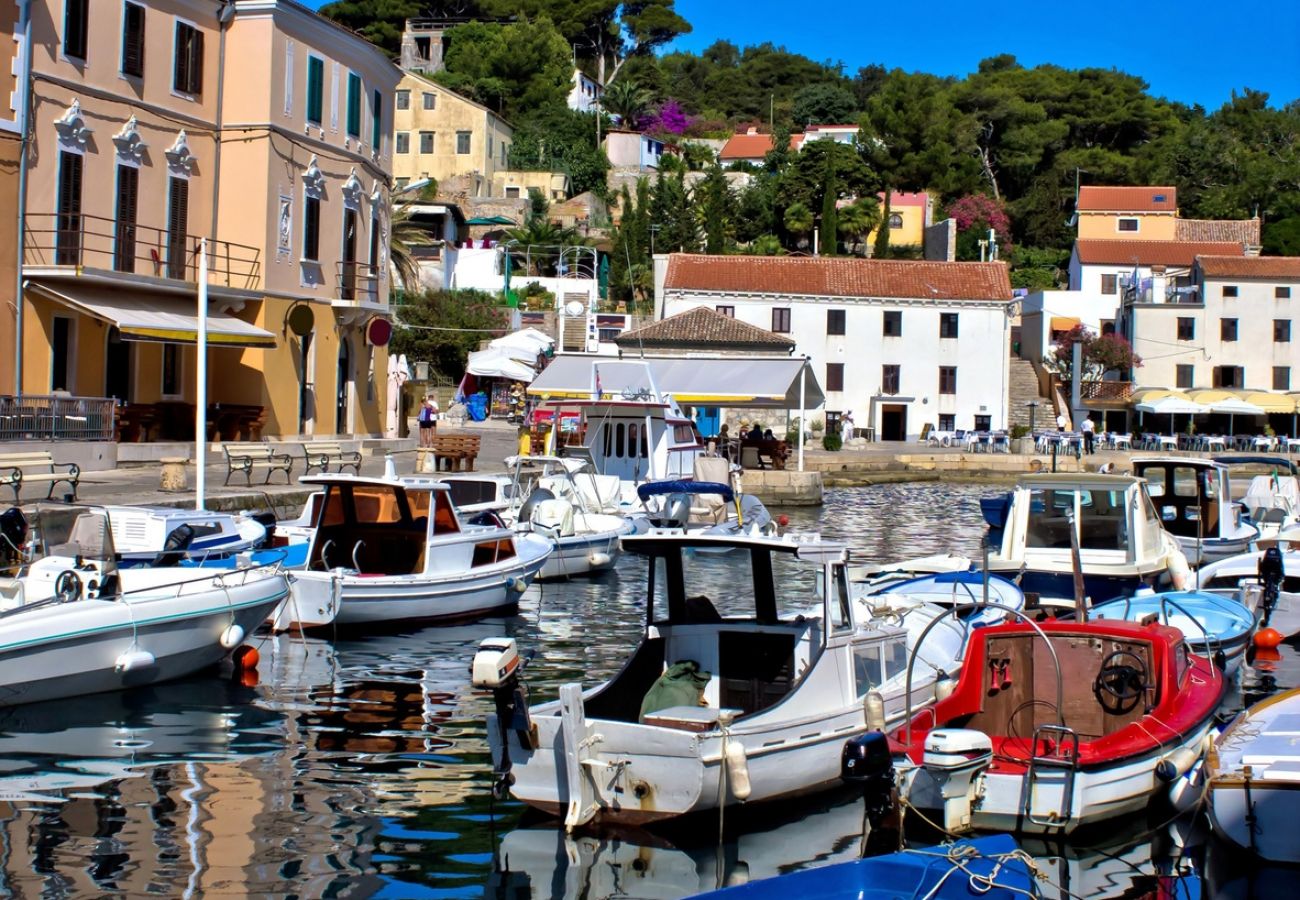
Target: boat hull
{"points": [[1211, 550], [1260, 819], [581, 554]]}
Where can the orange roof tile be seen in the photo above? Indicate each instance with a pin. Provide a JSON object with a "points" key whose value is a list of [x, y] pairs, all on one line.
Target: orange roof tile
{"points": [[838, 277], [704, 327], [1127, 199], [1249, 266], [1244, 230], [1093, 252], [752, 146]]}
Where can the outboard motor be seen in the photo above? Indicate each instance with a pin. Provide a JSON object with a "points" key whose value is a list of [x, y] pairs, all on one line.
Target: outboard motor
{"points": [[867, 762], [955, 759], [498, 667], [539, 495], [174, 547], [1271, 572], [675, 512], [13, 535], [266, 519]]}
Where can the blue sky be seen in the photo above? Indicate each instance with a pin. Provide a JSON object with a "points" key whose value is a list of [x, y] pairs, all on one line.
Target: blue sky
{"points": [[1195, 51]]}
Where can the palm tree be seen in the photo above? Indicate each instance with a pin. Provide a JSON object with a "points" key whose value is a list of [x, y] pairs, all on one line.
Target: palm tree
{"points": [[799, 221], [627, 100], [404, 234], [858, 220]]}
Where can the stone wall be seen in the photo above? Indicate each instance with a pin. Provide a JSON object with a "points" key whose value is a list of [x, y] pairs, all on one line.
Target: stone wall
{"points": [[941, 241]]}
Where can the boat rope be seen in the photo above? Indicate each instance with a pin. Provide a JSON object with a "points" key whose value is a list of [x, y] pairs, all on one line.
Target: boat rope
{"points": [[959, 857]]}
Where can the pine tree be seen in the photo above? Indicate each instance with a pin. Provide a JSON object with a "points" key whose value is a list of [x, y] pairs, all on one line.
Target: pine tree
{"points": [[830, 217]]}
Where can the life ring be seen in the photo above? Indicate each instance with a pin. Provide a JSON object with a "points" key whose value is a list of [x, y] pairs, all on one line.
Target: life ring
{"points": [[67, 587]]}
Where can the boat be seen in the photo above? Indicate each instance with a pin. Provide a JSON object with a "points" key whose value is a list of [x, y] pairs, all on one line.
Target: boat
{"points": [[1216, 627], [1253, 776], [987, 867], [968, 591], [1121, 544], [476, 492], [73, 623], [714, 709], [1270, 590], [1193, 498], [545, 501], [1059, 725], [143, 534], [1272, 496], [387, 550], [704, 507]]}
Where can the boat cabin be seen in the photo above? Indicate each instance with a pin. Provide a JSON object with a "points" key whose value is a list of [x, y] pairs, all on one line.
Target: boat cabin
{"points": [[1192, 496], [1267, 487]]}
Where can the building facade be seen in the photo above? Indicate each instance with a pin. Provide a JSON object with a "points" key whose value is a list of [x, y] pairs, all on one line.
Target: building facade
{"points": [[259, 128], [900, 344], [586, 92], [440, 135], [13, 105]]}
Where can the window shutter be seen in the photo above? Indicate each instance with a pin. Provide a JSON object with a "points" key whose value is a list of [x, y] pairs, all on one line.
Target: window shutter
{"points": [[376, 120], [67, 241], [354, 105], [288, 78], [128, 188], [196, 62], [75, 15], [315, 89], [178, 223], [181, 75], [311, 230], [133, 40]]}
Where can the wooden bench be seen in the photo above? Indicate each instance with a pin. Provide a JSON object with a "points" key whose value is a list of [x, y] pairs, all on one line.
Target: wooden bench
{"points": [[245, 457], [321, 454], [236, 421], [458, 451], [37, 467]]}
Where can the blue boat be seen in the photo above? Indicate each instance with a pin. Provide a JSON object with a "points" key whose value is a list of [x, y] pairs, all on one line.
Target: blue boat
{"points": [[990, 868], [1210, 622], [962, 588]]}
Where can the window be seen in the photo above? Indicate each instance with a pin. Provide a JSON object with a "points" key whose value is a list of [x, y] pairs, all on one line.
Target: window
{"points": [[1281, 293], [133, 40], [1281, 331], [61, 355], [1228, 329], [1107, 326], [1110, 284], [354, 105], [375, 232], [376, 120], [1186, 375], [128, 197], [947, 325], [178, 220], [67, 241], [983, 423], [781, 320], [171, 370], [489, 148], [187, 76], [835, 376], [426, 142], [893, 323], [947, 379], [403, 142], [429, 100], [348, 289], [403, 99], [311, 229], [75, 15], [1229, 377], [947, 422], [890, 376], [1229, 290], [1127, 224], [728, 311], [834, 321], [512, 193], [315, 90], [1281, 378], [462, 142], [1186, 328], [895, 220]]}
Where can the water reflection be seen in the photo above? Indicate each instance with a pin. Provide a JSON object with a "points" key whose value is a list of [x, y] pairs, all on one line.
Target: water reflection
{"points": [[361, 769]]}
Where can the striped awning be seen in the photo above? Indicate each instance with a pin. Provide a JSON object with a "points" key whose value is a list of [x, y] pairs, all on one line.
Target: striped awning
{"points": [[1150, 395]]}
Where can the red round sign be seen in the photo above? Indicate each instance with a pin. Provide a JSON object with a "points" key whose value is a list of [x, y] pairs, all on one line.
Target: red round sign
{"points": [[378, 331]]}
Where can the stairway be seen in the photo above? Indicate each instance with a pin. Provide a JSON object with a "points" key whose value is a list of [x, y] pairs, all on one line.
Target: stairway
{"points": [[573, 334], [1022, 387]]}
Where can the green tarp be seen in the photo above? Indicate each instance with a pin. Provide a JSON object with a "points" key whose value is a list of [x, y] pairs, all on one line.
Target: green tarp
{"points": [[682, 685]]}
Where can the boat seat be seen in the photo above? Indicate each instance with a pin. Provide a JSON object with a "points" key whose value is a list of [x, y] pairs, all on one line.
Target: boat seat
{"points": [[701, 610]]}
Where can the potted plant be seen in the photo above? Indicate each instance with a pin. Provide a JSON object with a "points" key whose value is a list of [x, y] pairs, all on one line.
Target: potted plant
{"points": [[1020, 441]]}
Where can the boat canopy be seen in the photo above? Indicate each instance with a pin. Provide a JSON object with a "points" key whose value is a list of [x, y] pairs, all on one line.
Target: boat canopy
{"points": [[659, 488], [720, 381], [75, 531]]}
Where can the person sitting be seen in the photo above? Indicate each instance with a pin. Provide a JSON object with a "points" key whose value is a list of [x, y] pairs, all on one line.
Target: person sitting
{"points": [[757, 433], [767, 435]]}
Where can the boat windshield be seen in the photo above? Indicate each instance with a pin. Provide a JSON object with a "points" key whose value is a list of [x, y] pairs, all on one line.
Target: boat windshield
{"points": [[1101, 514], [74, 531]]}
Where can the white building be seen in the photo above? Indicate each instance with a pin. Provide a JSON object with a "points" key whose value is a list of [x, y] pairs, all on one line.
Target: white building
{"points": [[899, 343], [586, 92], [840, 134], [632, 149]]}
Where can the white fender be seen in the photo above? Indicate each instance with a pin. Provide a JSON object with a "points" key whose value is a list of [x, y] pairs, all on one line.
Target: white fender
{"points": [[738, 770], [596, 559], [1180, 572], [134, 659], [232, 637]]}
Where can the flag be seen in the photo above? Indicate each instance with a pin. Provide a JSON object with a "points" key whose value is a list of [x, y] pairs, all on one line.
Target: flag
{"points": [[600, 395]]}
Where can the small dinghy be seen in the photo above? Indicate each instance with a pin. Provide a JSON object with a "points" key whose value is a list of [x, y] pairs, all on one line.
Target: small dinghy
{"points": [[715, 709], [964, 590], [1254, 779], [991, 868], [1058, 725], [143, 534], [1212, 624]]}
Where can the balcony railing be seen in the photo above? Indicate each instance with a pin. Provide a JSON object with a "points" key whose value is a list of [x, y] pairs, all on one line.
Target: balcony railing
{"points": [[79, 241], [35, 417], [357, 282], [1121, 391]]}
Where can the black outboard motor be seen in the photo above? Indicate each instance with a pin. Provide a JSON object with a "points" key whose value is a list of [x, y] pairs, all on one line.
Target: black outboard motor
{"points": [[13, 535], [1271, 572], [266, 519], [867, 762], [175, 547]]}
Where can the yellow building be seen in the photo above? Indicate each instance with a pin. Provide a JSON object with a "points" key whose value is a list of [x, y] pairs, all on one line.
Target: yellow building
{"points": [[511, 183], [263, 130], [1127, 213], [909, 214], [439, 134], [12, 101]]}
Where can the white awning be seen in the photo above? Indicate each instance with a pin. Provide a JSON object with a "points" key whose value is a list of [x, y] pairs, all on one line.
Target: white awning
{"points": [[497, 362], [528, 340], [155, 317], [732, 381]]}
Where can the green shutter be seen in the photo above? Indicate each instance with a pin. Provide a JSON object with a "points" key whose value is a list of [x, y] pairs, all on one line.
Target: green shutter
{"points": [[354, 105], [315, 89]]}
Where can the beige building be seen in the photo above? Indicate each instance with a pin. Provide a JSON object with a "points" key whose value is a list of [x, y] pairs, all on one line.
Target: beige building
{"points": [[512, 183], [13, 97], [258, 126], [439, 134]]}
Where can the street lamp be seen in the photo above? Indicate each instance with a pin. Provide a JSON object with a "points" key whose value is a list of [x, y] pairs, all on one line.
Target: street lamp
{"points": [[1033, 409]]}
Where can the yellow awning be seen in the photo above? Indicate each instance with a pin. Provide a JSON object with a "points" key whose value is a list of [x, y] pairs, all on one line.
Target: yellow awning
{"points": [[1214, 395], [1272, 403], [1065, 323], [1149, 395]]}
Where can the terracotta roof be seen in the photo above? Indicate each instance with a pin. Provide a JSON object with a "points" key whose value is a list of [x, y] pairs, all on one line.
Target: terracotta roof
{"points": [[1249, 266], [752, 146], [1151, 253], [1128, 199], [1245, 231], [838, 277], [701, 327]]}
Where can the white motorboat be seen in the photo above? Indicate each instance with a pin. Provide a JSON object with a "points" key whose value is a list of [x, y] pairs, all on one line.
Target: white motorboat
{"points": [[583, 541], [1272, 494], [968, 591], [1193, 498], [704, 507], [73, 623], [476, 492], [143, 534], [1121, 544], [1216, 627], [715, 709], [1246, 578], [392, 549], [1253, 774]]}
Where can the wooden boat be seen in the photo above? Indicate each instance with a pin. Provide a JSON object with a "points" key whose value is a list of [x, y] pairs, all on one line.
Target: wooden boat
{"points": [[1211, 623], [1253, 772], [785, 687], [388, 549], [1060, 725], [1193, 498]]}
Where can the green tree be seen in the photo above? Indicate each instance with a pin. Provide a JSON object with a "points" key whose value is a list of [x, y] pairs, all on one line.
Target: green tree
{"points": [[798, 221], [756, 210], [830, 228], [824, 104], [671, 216], [766, 245], [717, 209], [442, 327], [627, 100], [559, 139], [378, 21], [403, 235], [856, 221], [515, 68]]}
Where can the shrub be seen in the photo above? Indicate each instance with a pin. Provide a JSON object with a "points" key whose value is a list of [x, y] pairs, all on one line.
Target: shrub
{"points": [[1019, 431], [831, 442]]}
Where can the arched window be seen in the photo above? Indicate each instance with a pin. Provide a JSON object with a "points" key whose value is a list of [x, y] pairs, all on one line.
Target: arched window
{"points": [[895, 220]]}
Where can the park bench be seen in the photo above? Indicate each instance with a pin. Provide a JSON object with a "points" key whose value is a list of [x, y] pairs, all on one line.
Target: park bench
{"points": [[244, 457], [458, 451], [37, 467], [322, 454]]}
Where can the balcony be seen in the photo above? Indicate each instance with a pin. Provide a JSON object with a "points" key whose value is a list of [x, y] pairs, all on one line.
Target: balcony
{"points": [[356, 282], [1145, 290], [1106, 391], [77, 243]]}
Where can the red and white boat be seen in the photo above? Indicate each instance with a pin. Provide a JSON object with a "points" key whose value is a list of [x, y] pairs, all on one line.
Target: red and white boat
{"points": [[1059, 725]]}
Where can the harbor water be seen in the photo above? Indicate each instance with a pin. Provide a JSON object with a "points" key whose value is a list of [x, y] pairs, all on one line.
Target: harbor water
{"points": [[359, 767]]}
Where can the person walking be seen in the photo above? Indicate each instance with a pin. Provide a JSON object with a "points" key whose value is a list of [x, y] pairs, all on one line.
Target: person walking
{"points": [[428, 421], [1089, 429], [1060, 422]]}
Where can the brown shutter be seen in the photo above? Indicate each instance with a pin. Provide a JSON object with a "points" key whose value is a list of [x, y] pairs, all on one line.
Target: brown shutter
{"points": [[178, 219], [196, 63], [311, 230], [68, 226], [76, 13], [133, 40], [128, 193]]}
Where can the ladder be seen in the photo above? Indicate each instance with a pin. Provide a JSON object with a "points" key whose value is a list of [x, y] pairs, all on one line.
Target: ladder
{"points": [[1064, 765]]}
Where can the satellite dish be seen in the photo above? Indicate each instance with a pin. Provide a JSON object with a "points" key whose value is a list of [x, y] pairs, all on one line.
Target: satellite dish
{"points": [[575, 308], [301, 320]]}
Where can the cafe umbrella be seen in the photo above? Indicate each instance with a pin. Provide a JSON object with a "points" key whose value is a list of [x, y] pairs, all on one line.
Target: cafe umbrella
{"points": [[1171, 406]]}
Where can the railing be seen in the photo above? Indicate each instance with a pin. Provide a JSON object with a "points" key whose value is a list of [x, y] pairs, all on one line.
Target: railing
{"points": [[1106, 390], [80, 241], [357, 282], [37, 417]]}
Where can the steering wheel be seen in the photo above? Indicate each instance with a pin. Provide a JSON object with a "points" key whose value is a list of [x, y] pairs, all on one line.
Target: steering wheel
{"points": [[1121, 682], [67, 587]]}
